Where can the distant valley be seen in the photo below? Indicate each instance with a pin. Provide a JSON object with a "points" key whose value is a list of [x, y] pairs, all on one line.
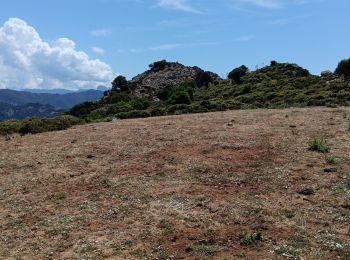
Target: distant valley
{"points": [[22, 104]]}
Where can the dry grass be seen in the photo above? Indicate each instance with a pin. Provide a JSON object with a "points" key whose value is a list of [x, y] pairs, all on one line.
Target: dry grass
{"points": [[179, 187]]}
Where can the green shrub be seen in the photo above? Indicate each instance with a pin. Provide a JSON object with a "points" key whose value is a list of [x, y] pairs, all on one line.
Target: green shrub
{"points": [[343, 68], [134, 114], [286, 251], [140, 103], [10, 126], [169, 92], [179, 97], [179, 108], [250, 238], [203, 79], [318, 145], [158, 65], [157, 111], [331, 160], [34, 126], [119, 108], [116, 97], [39, 125], [64, 121], [83, 109], [120, 84], [165, 92], [202, 249], [237, 74]]}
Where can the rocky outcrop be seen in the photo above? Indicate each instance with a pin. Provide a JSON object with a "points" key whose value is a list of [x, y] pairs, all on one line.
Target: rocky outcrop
{"points": [[162, 74]]}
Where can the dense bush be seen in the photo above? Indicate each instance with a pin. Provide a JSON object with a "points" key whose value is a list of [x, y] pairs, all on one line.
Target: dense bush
{"points": [[133, 114], [38, 125], [83, 109], [120, 84], [203, 79], [237, 74], [158, 65], [179, 97], [179, 109], [115, 97], [343, 68], [10, 126], [140, 103]]}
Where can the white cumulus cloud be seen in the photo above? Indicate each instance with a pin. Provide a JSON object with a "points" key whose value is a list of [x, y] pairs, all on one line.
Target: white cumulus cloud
{"points": [[27, 61]]}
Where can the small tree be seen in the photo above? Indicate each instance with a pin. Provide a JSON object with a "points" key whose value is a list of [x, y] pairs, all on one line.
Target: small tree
{"points": [[237, 74], [273, 63], [158, 65], [203, 79], [343, 68], [120, 84], [180, 97]]}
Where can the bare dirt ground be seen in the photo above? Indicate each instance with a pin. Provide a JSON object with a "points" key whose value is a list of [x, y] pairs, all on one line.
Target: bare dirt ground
{"points": [[226, 185]]}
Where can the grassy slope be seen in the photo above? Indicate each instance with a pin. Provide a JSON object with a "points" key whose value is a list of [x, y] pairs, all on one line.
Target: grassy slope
{"points": [[179, 187]]}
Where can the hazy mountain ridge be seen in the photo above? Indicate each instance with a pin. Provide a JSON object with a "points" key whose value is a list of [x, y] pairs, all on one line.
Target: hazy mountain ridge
{"points": [[9, 111], [59, 101]]}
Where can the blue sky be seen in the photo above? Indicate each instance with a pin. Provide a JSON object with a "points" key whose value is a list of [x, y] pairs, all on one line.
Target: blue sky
{"points": [[84, 43]]}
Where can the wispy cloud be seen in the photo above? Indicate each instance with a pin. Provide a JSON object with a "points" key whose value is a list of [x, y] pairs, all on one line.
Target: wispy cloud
{"points": [[100, 32], [271, 4], [274, 4], [166, 47], [245, 38], [180, 5], [173, 46], [98, 50]]}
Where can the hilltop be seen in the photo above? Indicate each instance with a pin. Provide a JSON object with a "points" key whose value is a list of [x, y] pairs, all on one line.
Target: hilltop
{"points": [[244, 184], [162, 74], [170, 88]]}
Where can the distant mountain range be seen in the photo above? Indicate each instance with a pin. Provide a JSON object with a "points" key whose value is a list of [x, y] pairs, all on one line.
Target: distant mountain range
{"points": [[59, 90], [8, 111], [59, 101], [22, 104]]}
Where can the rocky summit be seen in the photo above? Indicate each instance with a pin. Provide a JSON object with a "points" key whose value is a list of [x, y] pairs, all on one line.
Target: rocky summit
{"points": [[162, 74]]}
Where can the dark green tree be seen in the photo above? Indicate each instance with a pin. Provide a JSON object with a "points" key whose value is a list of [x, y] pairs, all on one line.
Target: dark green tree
{"points": [[203, 79], [343, 68], [120, 84], [273, 63], [180, 97], [237, 74], [158, 65]]}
